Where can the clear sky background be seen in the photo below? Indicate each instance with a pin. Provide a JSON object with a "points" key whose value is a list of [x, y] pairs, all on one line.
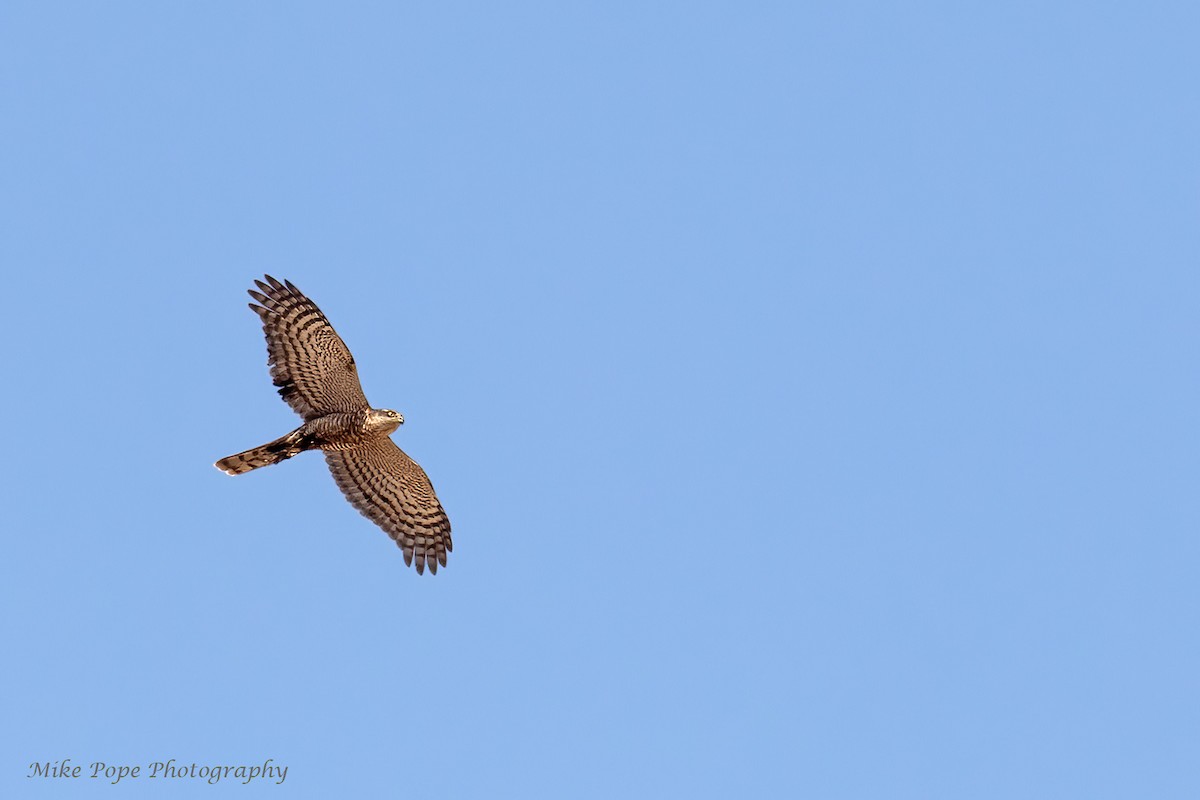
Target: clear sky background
{"points": [[812, 388]]}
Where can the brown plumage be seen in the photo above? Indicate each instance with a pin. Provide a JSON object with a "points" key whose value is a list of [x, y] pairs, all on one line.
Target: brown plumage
{"points": [[317, 377]]}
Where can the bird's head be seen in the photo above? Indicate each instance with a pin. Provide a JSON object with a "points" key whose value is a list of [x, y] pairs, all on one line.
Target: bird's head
{"points": [[385, 420]]}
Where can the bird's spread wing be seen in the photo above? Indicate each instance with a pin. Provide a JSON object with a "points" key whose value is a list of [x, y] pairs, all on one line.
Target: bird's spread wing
{"points": [[390, 489], [309, 362]]}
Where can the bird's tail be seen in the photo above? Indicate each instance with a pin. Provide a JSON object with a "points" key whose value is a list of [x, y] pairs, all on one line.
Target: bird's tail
{"points": [[270, 453]]}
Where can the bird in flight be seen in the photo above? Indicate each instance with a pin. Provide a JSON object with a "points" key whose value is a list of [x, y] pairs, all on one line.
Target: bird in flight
{"points": [[317, 377]]}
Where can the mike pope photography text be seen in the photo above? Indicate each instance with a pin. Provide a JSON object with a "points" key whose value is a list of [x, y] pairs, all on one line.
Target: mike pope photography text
{"points": [[169, 769]]}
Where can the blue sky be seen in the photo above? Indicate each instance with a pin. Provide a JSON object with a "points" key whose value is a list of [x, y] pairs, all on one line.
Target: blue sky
{"points": [[812, 388]]}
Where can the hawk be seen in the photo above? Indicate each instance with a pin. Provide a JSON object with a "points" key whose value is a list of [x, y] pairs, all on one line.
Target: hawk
{"points": [[317, 377]]}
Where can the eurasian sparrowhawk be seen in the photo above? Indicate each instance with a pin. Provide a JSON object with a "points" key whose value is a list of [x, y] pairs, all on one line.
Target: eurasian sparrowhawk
{"points": [[317, 377]]}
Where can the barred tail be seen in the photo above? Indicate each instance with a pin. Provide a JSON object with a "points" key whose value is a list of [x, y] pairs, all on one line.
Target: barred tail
{"points": [[270, 453]]}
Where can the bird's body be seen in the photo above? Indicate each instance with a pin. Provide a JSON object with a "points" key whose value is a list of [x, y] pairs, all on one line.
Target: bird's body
{"points": [[341, 430], [318, 378]]}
